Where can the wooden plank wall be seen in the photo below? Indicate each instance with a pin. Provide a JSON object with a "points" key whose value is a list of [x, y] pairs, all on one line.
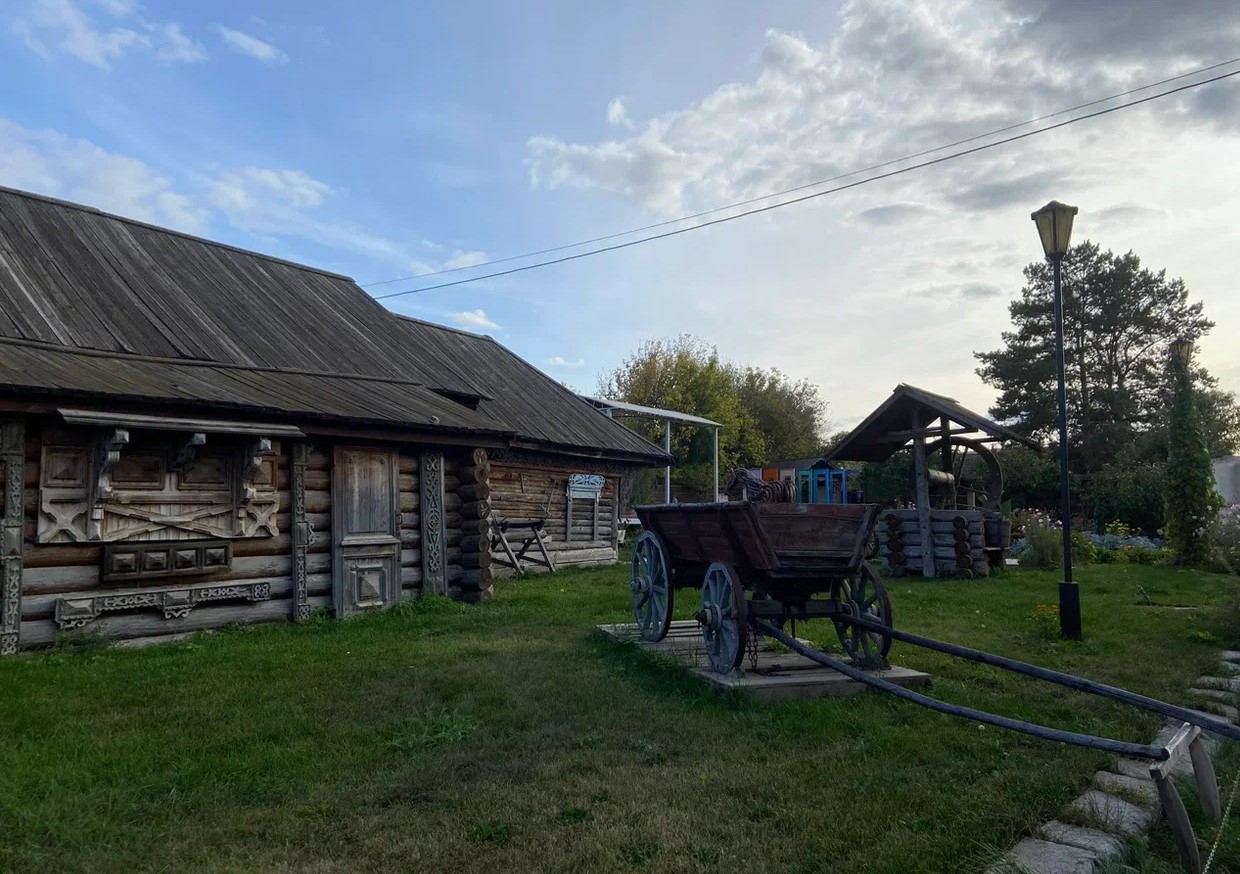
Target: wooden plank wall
{"points": [[54, 570], [958, 542], [521, 491]]}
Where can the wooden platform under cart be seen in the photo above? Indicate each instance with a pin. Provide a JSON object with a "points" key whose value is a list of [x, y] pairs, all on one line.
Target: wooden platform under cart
{"points": [[769, 674]]}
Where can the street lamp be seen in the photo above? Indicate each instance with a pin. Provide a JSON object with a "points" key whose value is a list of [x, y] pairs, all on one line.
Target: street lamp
{"points": [[1054, 223], [1182, 351]]}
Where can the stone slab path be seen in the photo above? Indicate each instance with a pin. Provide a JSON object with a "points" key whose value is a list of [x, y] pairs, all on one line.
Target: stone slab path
{"points": [[1123, 801]]}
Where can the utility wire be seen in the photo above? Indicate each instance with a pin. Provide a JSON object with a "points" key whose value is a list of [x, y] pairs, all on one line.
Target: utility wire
{"points": [[753, 200], [805, 197]]}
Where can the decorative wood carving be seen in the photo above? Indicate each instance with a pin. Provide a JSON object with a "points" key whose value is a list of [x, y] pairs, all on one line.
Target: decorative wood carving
{"points": [[109, 457], [13, 454], [434, 570], [157, 491], [186, 454], [252, 466], [74, 612], [301, 535], [583, 486], [143, 560]]}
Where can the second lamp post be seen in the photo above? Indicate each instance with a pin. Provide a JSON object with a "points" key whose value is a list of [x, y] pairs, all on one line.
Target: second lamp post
{"points": [[1054, 223]]}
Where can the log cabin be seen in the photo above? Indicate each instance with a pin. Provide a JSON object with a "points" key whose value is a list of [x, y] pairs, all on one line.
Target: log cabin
{"points": [[194, 435]]}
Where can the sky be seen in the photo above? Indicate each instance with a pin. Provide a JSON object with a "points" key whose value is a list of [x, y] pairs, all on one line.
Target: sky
{"points": [[382, 139]]}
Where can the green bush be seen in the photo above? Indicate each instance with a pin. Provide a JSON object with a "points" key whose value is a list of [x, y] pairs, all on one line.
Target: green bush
{"points": [[1130, 495], [1083, 549], [1043, 544], [1103, 555]]}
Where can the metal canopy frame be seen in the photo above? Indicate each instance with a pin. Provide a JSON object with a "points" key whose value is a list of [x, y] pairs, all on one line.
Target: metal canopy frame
{"points": [[624, 409]]}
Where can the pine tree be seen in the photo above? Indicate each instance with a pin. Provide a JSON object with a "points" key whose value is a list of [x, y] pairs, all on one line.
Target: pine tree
{"points": [[1192, 501]]}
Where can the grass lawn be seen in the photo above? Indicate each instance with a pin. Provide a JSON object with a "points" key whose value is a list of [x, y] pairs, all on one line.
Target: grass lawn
{"points": [[510, 736]]}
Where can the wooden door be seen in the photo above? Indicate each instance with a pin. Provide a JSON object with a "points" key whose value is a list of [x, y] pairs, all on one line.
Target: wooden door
{"points": [[365, 530]]}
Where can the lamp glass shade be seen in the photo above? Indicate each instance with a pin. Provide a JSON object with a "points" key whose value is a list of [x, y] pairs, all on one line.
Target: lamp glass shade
{"points": [[1182, 349], [1054, 223]]}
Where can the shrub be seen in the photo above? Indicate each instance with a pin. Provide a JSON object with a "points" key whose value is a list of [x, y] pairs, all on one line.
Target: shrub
{"points": [[1131, 495], [1043, 542], [1083, 549], [1119, 529], [1104, 555], [1225, 540]]}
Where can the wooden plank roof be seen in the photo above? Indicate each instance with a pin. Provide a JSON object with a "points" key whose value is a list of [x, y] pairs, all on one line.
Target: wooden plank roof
{"points": [[871, 440], [96, 305], [532, 404]]}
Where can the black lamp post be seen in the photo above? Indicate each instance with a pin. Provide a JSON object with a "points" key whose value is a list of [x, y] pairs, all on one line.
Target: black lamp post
{"points": [[1054, 223]]}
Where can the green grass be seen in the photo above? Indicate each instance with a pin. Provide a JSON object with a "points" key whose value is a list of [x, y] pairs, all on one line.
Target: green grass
{"points": [[510, 736]]}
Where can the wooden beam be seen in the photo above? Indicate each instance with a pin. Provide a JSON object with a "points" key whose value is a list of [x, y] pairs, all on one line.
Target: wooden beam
{"points": [[900, 436], [921, 481]]}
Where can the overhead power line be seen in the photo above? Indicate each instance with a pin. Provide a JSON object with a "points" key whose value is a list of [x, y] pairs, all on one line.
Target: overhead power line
{"points": [[786, 191], [876, 178]]}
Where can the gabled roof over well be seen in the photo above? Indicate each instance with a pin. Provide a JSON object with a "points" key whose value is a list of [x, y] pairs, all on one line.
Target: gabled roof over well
{"points": [[878, 437], [97, 306]]}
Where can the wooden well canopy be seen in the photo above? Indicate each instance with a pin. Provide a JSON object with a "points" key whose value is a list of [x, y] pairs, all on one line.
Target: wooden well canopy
{"points": [[915, 416], [913, 412]]}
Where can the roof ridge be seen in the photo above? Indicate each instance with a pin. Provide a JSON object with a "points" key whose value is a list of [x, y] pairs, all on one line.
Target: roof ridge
{"points": [[30, 195], [223, 365], [431, 324]]}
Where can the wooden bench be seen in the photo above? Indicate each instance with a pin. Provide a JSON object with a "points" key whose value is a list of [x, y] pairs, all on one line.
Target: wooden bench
{"points": [[529, 532]]}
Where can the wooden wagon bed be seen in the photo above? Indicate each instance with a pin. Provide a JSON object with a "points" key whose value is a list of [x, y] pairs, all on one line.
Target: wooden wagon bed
{"points": [[768, 561], [775, 540]]}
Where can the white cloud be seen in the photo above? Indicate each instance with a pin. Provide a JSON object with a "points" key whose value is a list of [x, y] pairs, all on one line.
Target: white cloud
{"points": [[51, 163], [618, 113], [51, 27], [561, 361], [920, 266], [464, 259], [251, 189], [259, 50], [172, 45], [474, 319]]}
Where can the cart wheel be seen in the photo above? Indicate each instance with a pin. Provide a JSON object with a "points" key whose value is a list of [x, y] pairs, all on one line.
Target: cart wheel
{"points": [[723, 618], [864, 595], [651, 587]]}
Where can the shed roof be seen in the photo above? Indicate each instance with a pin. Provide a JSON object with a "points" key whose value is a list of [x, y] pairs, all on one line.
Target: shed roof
{"points": [[94, 305], [872, 440], [652, 412]]}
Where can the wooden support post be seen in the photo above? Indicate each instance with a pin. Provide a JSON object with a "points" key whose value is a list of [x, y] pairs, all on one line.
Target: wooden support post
{"points": [[300, 533], [922, 489], [1181, 826], [13, 452], [945, 431], [667, 471], [1207, 781]]}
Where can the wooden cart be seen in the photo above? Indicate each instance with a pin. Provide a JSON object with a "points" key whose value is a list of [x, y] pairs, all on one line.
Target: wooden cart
{"points": [[777, 562]]}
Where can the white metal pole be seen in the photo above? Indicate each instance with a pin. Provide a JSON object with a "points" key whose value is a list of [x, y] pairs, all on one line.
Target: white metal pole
{"points": [[716, 497], [667, 471]]}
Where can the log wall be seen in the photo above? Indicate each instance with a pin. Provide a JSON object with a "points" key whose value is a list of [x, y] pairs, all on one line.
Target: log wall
{"points": [[957, 539], [74, 570], [264, 572], [524, 490]]}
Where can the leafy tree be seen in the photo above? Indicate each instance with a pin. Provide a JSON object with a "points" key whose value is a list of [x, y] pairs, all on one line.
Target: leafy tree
{"points": [[788, 414], [764, 413], [1192, 502], [686, 375], [1118, 318], [1030, 478]]}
